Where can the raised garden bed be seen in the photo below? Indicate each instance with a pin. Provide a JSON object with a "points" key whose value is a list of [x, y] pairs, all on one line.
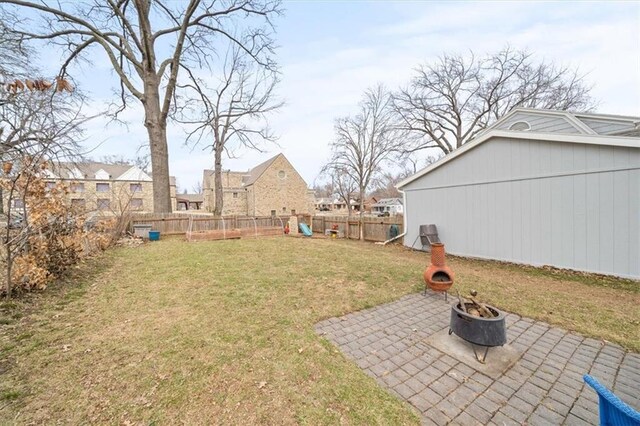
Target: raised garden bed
{"points": [[236, 233]]}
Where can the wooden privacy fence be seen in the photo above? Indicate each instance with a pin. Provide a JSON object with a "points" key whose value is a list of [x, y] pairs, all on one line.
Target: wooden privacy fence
{"points": [[375, 228], [178, 224]]}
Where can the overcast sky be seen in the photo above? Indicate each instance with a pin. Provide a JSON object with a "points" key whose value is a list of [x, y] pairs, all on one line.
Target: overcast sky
{"points": [[332, 51]]}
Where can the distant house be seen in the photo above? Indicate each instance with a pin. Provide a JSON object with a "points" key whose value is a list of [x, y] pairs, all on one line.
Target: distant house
{"points": [[105, 188], [189, 201], [339, 205], [370, 202], [272, 188], [324, 204], [538, 187], [391, 206], [335, 205]]}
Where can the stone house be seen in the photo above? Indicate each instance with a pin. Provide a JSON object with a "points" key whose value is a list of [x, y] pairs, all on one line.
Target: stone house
{"points": [[106, 188], [272, 188]]}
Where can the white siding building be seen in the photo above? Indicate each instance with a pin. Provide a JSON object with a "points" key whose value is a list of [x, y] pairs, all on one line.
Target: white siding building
{"points": [[538, 187], [389, 206]]}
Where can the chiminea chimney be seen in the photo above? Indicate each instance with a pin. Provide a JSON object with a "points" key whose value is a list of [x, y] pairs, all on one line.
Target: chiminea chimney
{"points": [[438, 276]]}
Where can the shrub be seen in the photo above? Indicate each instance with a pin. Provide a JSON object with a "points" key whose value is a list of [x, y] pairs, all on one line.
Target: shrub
{"points": [[49, 236]]}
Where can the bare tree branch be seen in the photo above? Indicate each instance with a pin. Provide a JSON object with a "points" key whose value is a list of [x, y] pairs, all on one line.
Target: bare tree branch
{"points": [[448, 103], [133, 33], [232, 113], [364, 142]]}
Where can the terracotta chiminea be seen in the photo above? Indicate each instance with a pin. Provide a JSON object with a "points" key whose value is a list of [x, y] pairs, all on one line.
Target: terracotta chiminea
{"points": [[438, 276]]}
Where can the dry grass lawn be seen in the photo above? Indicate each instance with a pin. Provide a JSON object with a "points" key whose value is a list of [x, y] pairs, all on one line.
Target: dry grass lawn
{"points": [[222, 332]]}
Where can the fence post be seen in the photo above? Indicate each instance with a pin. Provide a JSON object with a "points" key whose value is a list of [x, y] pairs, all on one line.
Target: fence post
{"points": [[346, 230]]}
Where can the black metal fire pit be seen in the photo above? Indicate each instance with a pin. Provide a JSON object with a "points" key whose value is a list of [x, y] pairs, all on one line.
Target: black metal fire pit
{"points": [[487, 332]]}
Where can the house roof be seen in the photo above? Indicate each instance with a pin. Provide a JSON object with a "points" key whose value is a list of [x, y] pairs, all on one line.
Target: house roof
{"points": [[192, 198], [388, 202], [584, 122], [89, 169], [92, 169], [629, 139], [67, 170], [254, 174]]}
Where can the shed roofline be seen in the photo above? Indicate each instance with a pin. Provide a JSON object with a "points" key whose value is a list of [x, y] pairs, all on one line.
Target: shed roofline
{"points": [[615, 117], [571, 118], [621, 141]]}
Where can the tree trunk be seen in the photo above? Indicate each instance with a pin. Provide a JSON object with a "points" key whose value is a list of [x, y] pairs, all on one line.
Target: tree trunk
{"points": [[9, 268], [219, 199], [361, 214], [157, 130], [8, 248]]}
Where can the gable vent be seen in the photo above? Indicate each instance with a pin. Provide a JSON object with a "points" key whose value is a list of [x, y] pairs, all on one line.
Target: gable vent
{"points": [[522, 126]]}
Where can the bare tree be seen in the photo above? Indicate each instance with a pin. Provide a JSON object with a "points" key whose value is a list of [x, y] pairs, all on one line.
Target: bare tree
{"points": [[386, 187], [147, 43], [409, 165], [232, 112], [340, 183], [38, 125], [197, 188], [35, 121], [365, 141], [323, 186], [13, 53], [449, 102]]}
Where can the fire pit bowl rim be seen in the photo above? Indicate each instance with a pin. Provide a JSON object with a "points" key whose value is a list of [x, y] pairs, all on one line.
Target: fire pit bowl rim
{"points": [[500, 317]]}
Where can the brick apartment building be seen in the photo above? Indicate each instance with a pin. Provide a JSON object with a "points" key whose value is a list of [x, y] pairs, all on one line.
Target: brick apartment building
{"points": [[106, 188]]}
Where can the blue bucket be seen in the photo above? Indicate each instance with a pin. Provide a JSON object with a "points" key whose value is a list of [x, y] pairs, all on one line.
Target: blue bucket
{"points": [[154, 235]]}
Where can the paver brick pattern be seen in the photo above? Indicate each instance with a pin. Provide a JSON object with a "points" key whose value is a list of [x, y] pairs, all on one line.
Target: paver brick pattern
{"points": [[544, 387]]}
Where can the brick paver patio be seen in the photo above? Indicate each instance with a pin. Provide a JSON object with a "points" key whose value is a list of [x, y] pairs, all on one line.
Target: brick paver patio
{"points": [[544, 387]]}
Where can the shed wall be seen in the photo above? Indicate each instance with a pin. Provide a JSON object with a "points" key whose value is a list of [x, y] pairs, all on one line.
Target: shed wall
{"points": [[542, 203]]}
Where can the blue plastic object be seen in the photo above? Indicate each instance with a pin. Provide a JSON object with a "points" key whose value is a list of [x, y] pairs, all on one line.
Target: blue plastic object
{"points": [[613, 411], [305, 229], [154, 235]]}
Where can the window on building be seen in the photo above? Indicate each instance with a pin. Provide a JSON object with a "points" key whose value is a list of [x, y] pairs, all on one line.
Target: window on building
{"points": [[78, 203], [51, 185], [104, 204], [282, 174], [284, 210], [102, 187], [293, 212], [273, 212], [235, 195], [18, 203], [135, 187], [136, 203], [77, 187]]}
